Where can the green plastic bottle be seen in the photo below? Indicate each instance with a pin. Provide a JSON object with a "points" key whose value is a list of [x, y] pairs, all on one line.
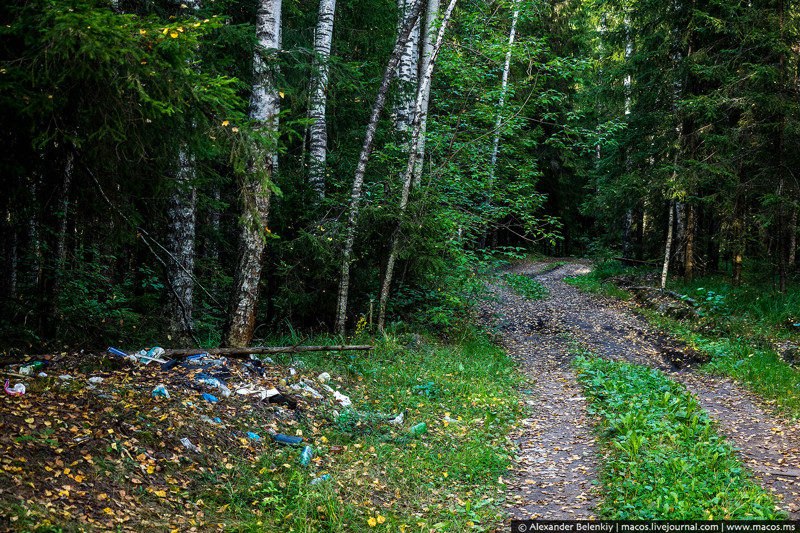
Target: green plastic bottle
{"points": [[418, 429]]}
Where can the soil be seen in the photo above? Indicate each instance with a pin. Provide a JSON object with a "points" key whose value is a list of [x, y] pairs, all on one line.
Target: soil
{"points": [[556, 467]]}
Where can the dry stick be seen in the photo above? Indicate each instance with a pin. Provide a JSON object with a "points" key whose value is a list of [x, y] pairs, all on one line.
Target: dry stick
{"points": [[245, 352], [361, 168]]}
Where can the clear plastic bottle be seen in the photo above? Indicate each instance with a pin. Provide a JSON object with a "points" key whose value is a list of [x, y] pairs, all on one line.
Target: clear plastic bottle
{"points": [[305, 457]]}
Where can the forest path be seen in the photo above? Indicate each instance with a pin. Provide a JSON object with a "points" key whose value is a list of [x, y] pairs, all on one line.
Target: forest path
{"points": [[557, 462]]}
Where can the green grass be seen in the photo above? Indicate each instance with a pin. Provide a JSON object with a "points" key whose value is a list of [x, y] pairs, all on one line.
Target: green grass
{"points": [[736, 330], [526, 286], [595, 281], [760, 369], [662, 457], [446, 480]]}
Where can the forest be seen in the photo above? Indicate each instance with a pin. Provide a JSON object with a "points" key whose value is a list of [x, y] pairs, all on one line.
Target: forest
{"points": [[424, 222], [214, 171]]}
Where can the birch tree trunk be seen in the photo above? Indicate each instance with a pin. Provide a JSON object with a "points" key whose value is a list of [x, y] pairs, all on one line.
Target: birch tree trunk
{"points": [[180, 239], [427, 52], [264, 109], [412, 161], [358, 179], [319, 88], [499, 119], [181, 229], [407, 71], [668, 248]]}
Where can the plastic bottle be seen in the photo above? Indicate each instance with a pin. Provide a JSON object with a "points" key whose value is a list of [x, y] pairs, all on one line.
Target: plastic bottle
{"points": [[306, 455], [418, 429], [161, 390], [28, 368], [320, 479]]}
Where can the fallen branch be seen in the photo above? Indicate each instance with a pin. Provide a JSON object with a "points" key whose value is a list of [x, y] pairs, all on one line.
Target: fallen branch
{"points": [[626, 260], [676, 295], [245, 352]]}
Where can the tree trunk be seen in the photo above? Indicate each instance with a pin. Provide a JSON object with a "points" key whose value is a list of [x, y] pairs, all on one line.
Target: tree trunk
{"points": [[358, 179], [500, 104], [319, 89], [626, 233], [412, 161], [680, 229], [738, 239], [264, 109], [792, 237], [181, 224], [427, 52], [214, 219], [688, 258], [407, 71], [668, 248], [52, 279], [180, 241]]}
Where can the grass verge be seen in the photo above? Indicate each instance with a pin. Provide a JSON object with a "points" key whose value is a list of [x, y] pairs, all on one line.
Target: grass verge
{"points": [[662, 457], [735, 330], [127, 468], [761, 370], [526, 286]]}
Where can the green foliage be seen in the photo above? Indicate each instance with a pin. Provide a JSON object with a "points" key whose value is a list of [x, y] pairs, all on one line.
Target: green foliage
{"points": [[664, 459], [448, 476], [526, 286]]}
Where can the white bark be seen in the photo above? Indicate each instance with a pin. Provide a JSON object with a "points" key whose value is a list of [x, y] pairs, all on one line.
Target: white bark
{"points": [[319, 89], [628, 53], [407, 72], [668, 248], [181, 229], [427, 53], [264, 109], [180, 239], [412, 161], [503, 89], [358, 179]]}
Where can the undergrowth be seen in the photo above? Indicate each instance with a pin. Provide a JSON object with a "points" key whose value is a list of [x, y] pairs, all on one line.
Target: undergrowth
{"points": [[662, 457]]}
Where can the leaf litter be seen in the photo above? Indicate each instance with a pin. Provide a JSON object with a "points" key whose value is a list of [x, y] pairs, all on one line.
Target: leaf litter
{"points": [[128, 451]]}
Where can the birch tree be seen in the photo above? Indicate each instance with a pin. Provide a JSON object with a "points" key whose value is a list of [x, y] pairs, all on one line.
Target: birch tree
{"points": [[366, 149], [318, 143], [264, 109], [180, 243], [432, 14], [180, 238], [407, 71], [500, 104], [424, 89]]}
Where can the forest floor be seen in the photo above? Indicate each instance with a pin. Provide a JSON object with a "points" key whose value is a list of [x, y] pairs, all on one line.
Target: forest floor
{"points": [[557, 464]]}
